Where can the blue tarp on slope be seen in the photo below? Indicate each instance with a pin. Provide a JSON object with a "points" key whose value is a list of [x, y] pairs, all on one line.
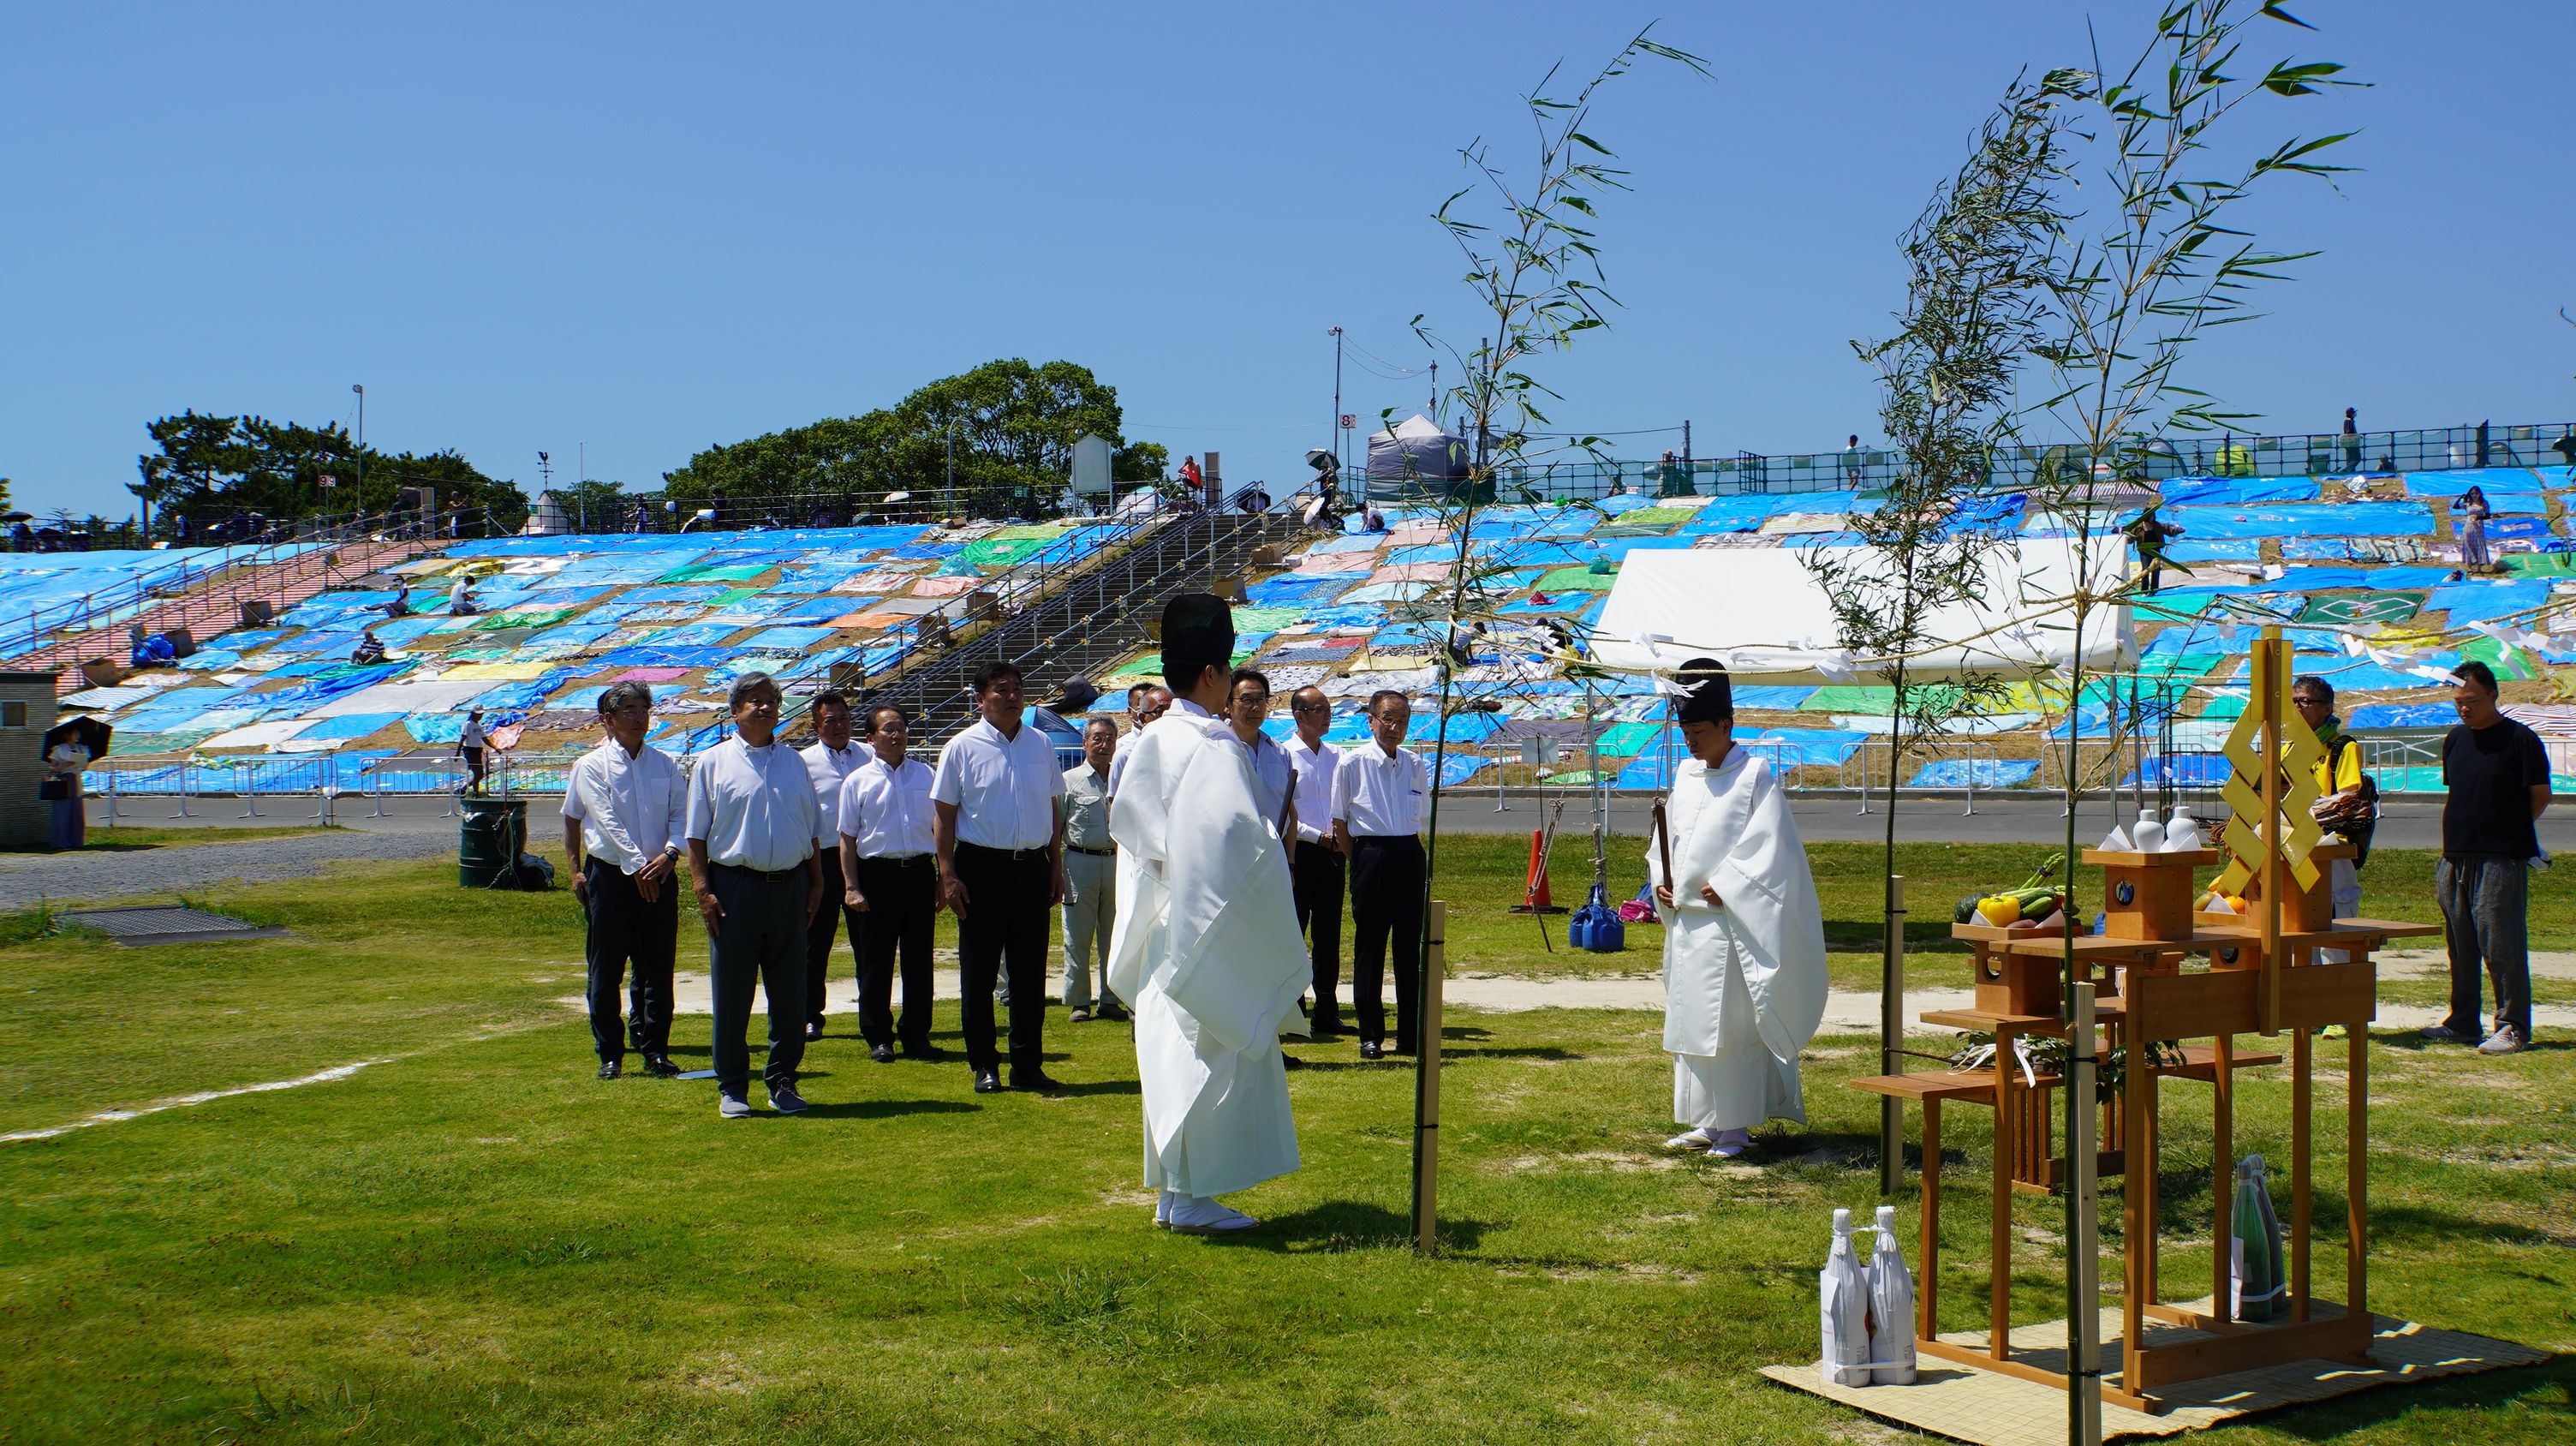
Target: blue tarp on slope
{"points": [[1987, 772], [2351, 519], [2237, 489]]}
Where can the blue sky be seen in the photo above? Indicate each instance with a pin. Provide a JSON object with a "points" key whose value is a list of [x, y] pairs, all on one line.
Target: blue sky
{"points": [[646, 229]]}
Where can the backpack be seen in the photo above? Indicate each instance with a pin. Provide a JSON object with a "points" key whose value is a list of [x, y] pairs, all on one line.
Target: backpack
{"points": [[2361, 817]]}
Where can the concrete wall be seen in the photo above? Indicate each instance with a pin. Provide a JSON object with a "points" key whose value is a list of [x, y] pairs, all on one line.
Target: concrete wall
{"points": [[25, 820]]}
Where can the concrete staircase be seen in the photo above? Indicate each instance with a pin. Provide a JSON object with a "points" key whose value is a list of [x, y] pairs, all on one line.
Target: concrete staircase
{"points": [[214, 605], [1087, 621]]}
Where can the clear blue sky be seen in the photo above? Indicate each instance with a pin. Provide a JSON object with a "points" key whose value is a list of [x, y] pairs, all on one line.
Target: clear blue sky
{"points": [[648, 229]]}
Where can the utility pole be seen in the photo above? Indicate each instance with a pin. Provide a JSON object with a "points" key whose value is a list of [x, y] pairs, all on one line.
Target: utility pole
{"points": [[581, 485], [1337, 399], [1686, 455], [362, 445], [951, 506], [1435, 394]]}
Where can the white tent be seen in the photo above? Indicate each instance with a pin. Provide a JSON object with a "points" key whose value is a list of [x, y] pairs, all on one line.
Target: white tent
{"points": [[1762, 612]]}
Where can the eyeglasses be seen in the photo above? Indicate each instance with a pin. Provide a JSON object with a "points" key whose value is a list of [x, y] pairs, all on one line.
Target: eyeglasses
{"points": [[1312, 707]]}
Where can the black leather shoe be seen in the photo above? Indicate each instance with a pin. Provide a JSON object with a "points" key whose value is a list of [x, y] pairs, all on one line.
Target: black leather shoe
{"points": [[881, 1053], [1291, 1061], [1370, 1050], [659, 1066], [1111, 1012], [987, 1082], [813, 1031], [610, 1069], [1036, 1079]]}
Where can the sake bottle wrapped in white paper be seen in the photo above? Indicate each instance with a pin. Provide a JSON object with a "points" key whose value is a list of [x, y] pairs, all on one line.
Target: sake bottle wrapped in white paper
{"points": [[2148, 833], [1891, 1308], [1844, 1301], [2183, 835]]}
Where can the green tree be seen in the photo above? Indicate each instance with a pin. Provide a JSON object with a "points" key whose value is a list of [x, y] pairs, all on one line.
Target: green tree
{"points": [[1007, 428], [205, 463]]}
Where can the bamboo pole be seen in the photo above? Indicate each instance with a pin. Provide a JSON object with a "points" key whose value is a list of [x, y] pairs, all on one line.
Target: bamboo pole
{"points": [[1426, 1097], [2083, 1245], [1891, 1034]]}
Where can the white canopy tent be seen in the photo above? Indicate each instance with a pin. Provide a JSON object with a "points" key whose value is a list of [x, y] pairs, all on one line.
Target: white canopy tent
{"points": [[1763, 613]]}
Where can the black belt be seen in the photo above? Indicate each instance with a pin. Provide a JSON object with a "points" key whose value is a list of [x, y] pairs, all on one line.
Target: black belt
{"points": [[1110, 853], [901, 861], [1385, 838], [771, 875], [1015, 855]]}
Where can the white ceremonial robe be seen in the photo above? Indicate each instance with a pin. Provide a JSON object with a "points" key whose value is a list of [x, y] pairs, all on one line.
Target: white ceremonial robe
{"points": [[1206, 948], [1744, 984]]}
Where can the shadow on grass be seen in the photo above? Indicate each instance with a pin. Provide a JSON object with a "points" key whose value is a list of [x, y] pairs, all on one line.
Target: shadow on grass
{"points": [[1098, 1087], [1347, 1225], [2475, 1404], [888, 1109], [1862, 936]]}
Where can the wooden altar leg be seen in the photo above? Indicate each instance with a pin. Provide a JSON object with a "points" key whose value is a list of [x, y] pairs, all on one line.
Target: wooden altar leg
{"points": [[2007, 1121], [2302, 1060], [2356, 1155], [2137, 1214], [1927, 1300], [2222, 1185]]}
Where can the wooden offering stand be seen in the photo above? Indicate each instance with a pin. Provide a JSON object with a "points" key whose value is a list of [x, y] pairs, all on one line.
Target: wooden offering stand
{"points": [[2262, 975]]}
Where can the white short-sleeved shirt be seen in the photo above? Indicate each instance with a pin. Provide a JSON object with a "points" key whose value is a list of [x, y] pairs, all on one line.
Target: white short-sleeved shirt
{"points": [[1270, 767], [1381, 796], [630, 808], [886, 812], [753, 807], [827, 766], [1317, 768], [1004, 788]]}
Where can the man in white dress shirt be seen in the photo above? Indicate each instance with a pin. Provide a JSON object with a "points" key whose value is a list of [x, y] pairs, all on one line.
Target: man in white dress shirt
{"points": [[1205, 944], [751, 848], [1151, 704], [1247, 707], [1315, 858], [887, 846], [1380, 796], [828, 760], [1001, 871], [623, 809]]}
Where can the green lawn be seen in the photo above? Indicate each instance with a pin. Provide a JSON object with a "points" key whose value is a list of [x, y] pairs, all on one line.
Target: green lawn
{"points": [[473, 1240]]}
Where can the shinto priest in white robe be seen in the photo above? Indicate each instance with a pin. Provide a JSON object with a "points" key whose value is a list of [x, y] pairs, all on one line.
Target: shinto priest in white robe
{"points": [[1205, 946], [1744, 984]]}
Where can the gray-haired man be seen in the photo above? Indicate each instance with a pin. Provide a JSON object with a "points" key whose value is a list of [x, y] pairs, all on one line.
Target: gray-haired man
{"points": [[751, 848], [622, 814], [1090, 873]]}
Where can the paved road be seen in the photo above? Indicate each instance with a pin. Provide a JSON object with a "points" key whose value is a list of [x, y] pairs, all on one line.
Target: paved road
{"points": [[26, 879], [421, 828]]}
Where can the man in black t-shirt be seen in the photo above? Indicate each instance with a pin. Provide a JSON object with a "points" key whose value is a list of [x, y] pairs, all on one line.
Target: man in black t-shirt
{"points": [[2498, 777]]}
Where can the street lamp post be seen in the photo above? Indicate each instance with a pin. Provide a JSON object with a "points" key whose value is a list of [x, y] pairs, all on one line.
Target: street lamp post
{"points": [[361, 504], [1337, 399]]}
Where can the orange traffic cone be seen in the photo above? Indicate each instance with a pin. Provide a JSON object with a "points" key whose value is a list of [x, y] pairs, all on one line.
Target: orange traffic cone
{"points": [[1534, 896]]}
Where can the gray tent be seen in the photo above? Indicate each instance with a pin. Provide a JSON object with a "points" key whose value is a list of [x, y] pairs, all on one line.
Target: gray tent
{"points": [[1416, 459]]}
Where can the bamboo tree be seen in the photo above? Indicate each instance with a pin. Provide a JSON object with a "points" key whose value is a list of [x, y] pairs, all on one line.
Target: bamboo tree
{"points": [[2154, 264], [1977, 263], [1533, 267]]}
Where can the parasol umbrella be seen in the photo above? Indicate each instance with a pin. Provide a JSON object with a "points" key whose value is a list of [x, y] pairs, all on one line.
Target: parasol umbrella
{"points": [[86, 730]]}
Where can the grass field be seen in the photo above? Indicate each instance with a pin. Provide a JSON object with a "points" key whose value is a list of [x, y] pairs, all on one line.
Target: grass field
{"points": [[470, 1239]]}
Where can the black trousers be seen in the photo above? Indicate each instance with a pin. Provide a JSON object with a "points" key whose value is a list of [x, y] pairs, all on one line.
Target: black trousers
{"points": [[1004, 928], [624, 931], [821, 930], [903, 904], [759, 942], [1316, 875], [1386, 899]]}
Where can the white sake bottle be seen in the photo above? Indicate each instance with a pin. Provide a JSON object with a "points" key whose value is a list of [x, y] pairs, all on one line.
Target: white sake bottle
{"points": [[1891, 1308], [2184, 836], [1844, 1311], [2148, 833]]}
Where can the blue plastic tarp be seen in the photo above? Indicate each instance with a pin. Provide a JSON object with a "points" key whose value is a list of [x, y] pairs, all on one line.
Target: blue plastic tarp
{"points": [[2350, 519], [2402, 715], [2491, 480], [2180, 770], [2469, 602], [1983, 772], [2237, 489]]}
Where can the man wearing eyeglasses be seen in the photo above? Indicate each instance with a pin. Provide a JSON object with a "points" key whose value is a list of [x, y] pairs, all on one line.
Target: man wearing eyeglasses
{"points": [[1315, 864]]}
